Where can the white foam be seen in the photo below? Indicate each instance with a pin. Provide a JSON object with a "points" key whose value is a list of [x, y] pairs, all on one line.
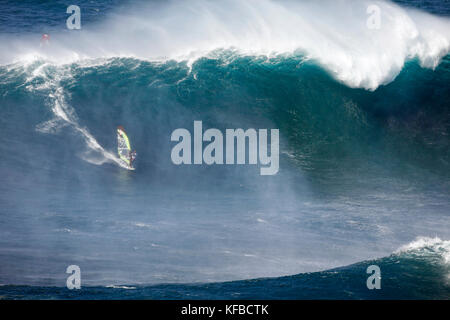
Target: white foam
{"points": [[64, 114], [143, 225], [120, 287], [426, 245], [334, 33]]}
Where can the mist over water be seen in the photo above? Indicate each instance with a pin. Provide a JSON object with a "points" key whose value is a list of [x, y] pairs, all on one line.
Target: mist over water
{"points": [[363, 119]]}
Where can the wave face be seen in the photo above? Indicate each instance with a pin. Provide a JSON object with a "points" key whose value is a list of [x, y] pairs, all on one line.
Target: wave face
{"points": [[364, 147], [419, 270]]}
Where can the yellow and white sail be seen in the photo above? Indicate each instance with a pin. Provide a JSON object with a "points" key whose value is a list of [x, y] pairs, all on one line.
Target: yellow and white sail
{"points": [[123, 146]]}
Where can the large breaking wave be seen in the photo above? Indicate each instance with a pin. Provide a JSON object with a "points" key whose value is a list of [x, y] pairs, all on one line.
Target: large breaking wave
{"points": [[363, 118], [334, 33]]}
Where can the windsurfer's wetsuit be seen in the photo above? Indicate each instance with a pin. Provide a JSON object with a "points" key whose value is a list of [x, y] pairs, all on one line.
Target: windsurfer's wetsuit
{"points": [[132, 157]]}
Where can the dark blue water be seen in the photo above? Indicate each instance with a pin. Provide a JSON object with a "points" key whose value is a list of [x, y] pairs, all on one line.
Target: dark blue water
{"points": [[364, 152]]}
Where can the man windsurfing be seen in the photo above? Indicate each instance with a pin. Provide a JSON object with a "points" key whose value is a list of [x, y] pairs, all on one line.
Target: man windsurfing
{"points": [[124, 148]]}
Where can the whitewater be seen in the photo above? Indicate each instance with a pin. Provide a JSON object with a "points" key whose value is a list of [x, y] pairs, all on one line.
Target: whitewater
{"points": [[364, 151], [334, 33]]}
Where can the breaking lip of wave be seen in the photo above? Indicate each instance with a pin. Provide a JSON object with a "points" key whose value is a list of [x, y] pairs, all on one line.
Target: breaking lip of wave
{"points": [[334, 33], [425, 246]]}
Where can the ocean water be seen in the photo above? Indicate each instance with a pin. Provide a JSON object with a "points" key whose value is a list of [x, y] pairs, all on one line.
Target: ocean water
{"points": [[364, 179]]}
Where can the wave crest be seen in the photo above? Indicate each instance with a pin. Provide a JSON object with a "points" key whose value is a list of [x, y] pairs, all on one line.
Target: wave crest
{"points": [[334, 33], [426, 247]]}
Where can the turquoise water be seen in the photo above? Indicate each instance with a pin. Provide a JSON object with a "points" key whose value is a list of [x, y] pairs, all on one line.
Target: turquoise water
{"points": [[364, 156]]}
